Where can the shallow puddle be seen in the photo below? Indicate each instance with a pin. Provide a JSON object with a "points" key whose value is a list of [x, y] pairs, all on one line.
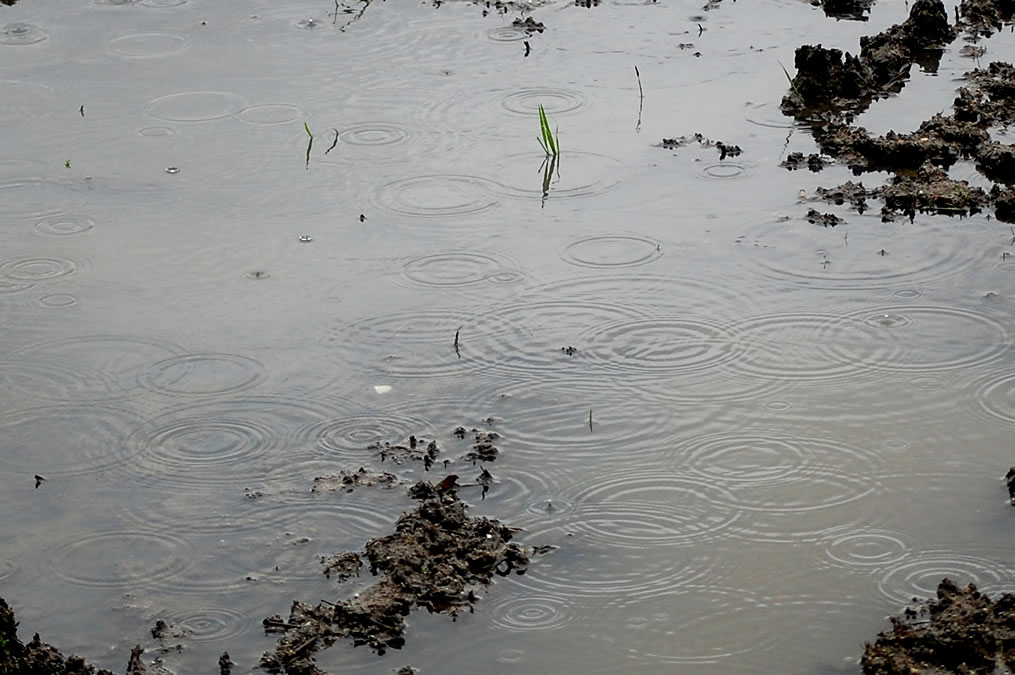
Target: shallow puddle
{"points": [[750, 436]]}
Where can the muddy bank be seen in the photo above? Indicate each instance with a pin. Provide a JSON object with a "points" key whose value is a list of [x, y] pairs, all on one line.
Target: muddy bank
{"points": [[831, 87], [961, 631]]}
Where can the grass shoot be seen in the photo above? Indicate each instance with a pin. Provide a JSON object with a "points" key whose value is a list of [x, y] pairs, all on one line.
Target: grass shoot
{"points": [[546, 138], [790, 80]]}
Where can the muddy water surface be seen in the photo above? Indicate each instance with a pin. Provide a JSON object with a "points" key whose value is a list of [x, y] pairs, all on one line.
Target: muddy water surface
{"points": [[795, 429]]}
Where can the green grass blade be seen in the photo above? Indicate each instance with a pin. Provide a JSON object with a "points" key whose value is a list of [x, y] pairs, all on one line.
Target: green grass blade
{"points": [[307, 127], [550, 146]]}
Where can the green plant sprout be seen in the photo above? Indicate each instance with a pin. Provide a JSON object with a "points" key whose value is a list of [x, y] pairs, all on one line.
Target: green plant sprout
{"points": [[546, 137], [790, 80], [310, 143]]}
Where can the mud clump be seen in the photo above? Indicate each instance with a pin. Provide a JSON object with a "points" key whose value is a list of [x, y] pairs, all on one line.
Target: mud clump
{"points": [[982, 18], [435, 559], [342, 566], [829, 78], [725, 149], [932, 191], [962, 631], [797, 160], [348, 481], [815, 217], [831, 87], [413, 450], [855, 10]]}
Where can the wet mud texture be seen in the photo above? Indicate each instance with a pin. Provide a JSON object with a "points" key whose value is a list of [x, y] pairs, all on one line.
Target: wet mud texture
{"points": [[436, 559], [831, 87], [962, 631]]}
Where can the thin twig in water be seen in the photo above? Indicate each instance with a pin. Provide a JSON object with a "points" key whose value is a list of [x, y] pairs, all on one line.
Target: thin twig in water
{"points": [[310, 143], [356, 16], [590, 419], [333, 143], [457, 350], [641, 98]]}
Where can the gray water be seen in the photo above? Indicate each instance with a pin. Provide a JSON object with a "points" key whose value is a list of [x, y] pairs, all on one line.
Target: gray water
{"points": [[793, 435]]}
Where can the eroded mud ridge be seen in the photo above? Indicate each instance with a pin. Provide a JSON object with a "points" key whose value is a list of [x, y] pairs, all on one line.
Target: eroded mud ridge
{"points": [[830, 88], [436, 559], [962, 631]]}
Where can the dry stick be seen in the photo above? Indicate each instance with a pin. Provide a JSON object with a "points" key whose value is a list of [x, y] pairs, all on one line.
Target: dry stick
{"points": [[590, 420], [333, 143], [641, 98]]}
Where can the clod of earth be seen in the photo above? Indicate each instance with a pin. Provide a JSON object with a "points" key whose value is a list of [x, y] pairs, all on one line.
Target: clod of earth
{"points": [[435, 559], [962, 631], [813, 161], [815, 217]]}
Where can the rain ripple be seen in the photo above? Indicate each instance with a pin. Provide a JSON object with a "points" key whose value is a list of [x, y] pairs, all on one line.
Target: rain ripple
{"points": [[526, 102], [456, 269], [933, 337], [413, 343], [662, 345], [995, 397], [530, 612], [144, 559], [203, 375], [583, 570], [78, 439], [812, 346], [916, 577], [195, 106], [147, 45], [346, 438], [209, 624], [612, 251], [678, 626], [64, 224], [864, 549], [227, 443], [438, 196], [21, 34], [584, 174], [538, 416], [868, 256], [529, 336], [757, 457], [98, 367], [35, 270], [650, 508]]}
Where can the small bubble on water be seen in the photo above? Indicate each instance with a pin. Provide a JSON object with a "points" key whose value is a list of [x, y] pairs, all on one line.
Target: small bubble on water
{"points": [[306, 239], [172, 170]]}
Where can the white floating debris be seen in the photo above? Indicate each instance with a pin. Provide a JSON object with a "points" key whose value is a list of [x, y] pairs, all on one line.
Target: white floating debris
{"points": [[306, 239], [172, 170], [382, 388]]}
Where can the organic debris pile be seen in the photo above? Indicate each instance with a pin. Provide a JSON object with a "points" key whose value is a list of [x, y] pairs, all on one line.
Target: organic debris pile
{"points": [[435, 559], [962, 631]]}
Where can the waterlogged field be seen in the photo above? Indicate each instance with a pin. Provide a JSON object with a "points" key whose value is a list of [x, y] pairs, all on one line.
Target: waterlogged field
{"points": [[242, 243]]}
